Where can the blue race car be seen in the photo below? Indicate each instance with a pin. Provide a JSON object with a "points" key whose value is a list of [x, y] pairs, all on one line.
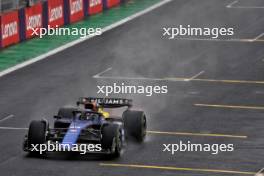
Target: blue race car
{"points": [[91, 125]]}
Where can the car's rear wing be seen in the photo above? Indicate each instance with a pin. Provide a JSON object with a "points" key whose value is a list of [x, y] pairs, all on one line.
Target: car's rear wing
{"points": [[107, 102]]}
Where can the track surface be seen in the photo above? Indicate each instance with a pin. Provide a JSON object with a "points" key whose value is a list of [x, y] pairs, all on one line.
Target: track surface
{"points": [[137, 49]]}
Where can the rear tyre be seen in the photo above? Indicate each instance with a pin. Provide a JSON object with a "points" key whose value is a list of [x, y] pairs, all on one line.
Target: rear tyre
{"points": [[112, 139], [37, 134], [135, 124]]}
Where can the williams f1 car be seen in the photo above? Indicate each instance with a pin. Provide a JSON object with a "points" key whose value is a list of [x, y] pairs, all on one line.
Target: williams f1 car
{"points": [[88, 123]]}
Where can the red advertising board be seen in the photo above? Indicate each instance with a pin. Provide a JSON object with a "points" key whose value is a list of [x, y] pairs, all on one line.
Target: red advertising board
{"points": [[33, 19], [55, 13], [111, 3], [95, 6], [76, 10], [9, 28]]}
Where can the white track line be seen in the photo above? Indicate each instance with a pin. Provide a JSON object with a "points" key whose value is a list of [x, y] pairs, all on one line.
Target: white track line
{"points": [[12, 128], [99, 74], [260, 172], [258, 37], [7, 117], [231, 4], [248, 7], [70, 44], [144, 78], [197, 75], [141, 78]]}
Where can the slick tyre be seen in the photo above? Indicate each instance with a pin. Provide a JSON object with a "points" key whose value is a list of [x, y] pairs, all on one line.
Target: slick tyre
{"points": [[112, 139], [135, 124], [37, 134]]}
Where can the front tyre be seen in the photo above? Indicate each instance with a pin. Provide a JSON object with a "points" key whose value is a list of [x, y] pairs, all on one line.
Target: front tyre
{"points": [[37, 134], [112, 139]]}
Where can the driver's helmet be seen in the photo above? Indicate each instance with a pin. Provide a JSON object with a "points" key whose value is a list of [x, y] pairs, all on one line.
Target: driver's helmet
{"points": [[93, 106]]}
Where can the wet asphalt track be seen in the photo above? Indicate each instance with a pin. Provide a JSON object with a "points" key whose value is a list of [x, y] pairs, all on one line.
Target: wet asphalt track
{"points": [[137, 49]]}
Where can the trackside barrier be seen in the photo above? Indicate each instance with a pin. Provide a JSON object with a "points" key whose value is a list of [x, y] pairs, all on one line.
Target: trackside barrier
{"points": [[55, 13], [110, 3], [9, 28], [94, 6], [31, 20], [74, 10], [20, 25]]}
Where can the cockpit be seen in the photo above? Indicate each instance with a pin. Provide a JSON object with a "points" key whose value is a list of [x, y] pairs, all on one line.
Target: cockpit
{"points": [[85, 115]]}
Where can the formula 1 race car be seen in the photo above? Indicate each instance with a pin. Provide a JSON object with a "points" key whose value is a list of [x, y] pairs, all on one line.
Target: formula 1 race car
{"points": [[88, 123]]}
